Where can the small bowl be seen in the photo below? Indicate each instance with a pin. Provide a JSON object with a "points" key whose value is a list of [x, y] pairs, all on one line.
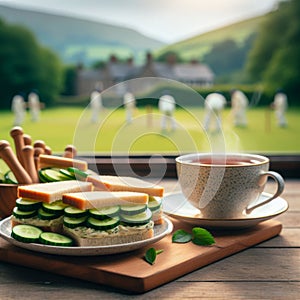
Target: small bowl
{"points": [[8, 196]]}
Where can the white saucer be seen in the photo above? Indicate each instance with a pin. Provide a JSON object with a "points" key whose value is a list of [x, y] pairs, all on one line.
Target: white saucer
{"points": [[176, 206]]}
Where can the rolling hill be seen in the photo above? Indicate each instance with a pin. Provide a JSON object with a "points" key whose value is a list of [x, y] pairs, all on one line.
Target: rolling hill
{"points": [[81, 40], [197, 46]]}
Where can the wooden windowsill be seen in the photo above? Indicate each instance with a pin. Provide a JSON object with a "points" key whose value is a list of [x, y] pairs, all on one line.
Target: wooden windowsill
{"points": [[287, 165]]}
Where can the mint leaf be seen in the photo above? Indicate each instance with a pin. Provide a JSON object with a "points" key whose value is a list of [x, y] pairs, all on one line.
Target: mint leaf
{"points": [[150, 255], [202, 237], [181, 236]]}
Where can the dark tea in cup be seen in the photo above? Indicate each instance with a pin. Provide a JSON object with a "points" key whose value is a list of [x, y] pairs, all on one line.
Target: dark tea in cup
{"points": [[225, 161]]}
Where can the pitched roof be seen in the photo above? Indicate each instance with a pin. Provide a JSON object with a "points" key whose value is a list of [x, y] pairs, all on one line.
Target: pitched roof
{"points": [[193, 72], [118, 71]]}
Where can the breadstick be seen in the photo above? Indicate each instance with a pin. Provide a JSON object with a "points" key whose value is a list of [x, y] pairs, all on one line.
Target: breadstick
{"points": [[28, 153], [39, 144], [17, 134], [36, 156], [61, 162], [70, 151], [7, 154], [48, 150], [27, 139]]}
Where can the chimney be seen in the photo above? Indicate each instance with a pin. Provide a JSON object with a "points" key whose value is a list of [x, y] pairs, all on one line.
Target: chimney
{"points": [[113, 59], [149, 58], [171, 59], [130, 61]]}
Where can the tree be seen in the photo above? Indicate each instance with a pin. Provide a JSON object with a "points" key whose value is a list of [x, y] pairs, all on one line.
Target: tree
{"points": [[69, 80], [227, 57], [25, 65], [169, 55], [274, 59]]}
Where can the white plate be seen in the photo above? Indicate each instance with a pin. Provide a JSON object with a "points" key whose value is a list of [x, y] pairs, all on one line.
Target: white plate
{"points": [[160, 231], [176, 206]]}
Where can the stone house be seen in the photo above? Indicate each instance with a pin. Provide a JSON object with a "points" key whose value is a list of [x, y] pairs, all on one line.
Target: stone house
{"points": [[114, 72]]}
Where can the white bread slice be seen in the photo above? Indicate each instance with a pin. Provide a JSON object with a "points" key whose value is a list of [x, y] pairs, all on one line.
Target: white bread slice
{"points": [[123, 183], [46, 161], [99, 199], [52, 191], [123, 236]]}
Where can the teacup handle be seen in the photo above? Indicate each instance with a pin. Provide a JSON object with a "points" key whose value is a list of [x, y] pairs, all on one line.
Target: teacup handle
{"points": [[280, 186]]}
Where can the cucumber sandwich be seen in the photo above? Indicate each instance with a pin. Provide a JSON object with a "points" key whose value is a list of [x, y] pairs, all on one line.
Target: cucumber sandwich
{"points": [[101, 218], [41, 204], [131, 184]]}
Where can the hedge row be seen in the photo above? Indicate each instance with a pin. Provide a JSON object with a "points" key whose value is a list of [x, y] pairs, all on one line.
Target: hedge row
{"points": [[184, 97]]}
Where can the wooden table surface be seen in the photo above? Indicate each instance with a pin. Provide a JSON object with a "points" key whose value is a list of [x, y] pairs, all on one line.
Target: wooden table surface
{"points": [[270, 270]]}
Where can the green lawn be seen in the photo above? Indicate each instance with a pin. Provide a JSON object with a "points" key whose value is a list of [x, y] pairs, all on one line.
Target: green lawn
{"points": [[61, 126]]}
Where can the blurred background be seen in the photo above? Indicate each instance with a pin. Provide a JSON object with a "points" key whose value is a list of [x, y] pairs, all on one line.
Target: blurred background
{"points": [[63, 50]]}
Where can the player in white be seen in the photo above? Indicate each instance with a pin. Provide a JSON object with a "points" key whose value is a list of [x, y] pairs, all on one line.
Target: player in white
{"points": [[129, 105], [18, 107], [34, 106], [280, 105], [95, 104], [239, 105], [214, 105], [167, 106]]}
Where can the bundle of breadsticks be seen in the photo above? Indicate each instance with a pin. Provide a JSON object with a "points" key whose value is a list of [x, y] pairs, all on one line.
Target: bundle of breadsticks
{"points": [[29, 157]]}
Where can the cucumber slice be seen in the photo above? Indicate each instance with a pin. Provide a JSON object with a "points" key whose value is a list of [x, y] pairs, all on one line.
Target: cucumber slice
{"points": [[105, 212], [103, 224], [21, 214], [74, 222], [26, 233], [41, 177], [55, 239], [132, 209], [28, 204], [138, 219], [56, 207], [67, 173], [10, 177], [2, 178], [43, 215], [77, 173], [53, 174], [154, 203], [74, 212]]}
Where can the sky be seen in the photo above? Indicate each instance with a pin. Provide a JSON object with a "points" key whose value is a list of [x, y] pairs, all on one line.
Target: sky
{"points": [[166, 20]]}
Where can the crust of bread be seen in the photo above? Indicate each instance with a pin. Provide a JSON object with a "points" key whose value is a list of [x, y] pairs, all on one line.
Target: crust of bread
{"points": [[112, 239], [52, 191], [123, 183], [157, 217], [99, 199], [61, 162]]}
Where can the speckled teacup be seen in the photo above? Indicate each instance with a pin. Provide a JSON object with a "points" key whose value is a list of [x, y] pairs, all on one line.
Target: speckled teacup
{"points": [[225, 186]]}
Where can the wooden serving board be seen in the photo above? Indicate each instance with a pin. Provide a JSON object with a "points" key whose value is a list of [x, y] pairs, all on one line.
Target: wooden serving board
{"points": [[129, 271]]}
